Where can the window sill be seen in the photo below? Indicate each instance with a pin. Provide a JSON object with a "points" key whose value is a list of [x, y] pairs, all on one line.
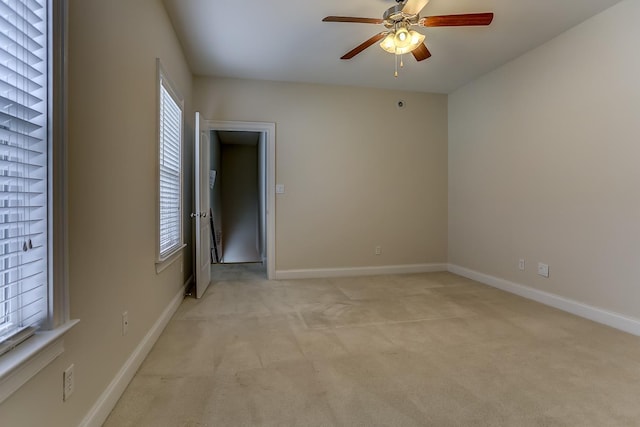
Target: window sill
{"points": [[30, 357], [165, 262]]}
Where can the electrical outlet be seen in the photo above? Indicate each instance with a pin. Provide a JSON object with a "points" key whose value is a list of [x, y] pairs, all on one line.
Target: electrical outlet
{"points": [[543, 269], [125, 323], [521, 264], [378, 250], [68, 383]]}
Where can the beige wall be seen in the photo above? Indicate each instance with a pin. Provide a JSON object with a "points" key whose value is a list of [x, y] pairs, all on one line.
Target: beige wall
{"points": [[112, 201], [358, 171], [544, 165]]}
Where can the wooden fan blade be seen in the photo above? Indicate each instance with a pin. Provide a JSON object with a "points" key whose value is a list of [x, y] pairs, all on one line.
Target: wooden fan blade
{"points": [[457, 20], [413, 7], [352, 19], [421, 52], [364, 45]]}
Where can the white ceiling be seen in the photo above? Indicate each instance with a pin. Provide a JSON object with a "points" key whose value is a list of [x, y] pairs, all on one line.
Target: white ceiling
{"points": [[287, 40]]}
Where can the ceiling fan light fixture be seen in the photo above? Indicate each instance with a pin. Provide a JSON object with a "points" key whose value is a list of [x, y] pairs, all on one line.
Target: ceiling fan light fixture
{"points": [[412, 41]]}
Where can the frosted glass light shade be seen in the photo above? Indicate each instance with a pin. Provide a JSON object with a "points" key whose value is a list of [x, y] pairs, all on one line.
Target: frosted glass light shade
{"points": [[388, 44], [402, 38]]}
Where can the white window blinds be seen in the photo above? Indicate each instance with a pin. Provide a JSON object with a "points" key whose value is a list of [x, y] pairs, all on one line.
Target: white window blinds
{"points": [[170, 172], [23, 168]]}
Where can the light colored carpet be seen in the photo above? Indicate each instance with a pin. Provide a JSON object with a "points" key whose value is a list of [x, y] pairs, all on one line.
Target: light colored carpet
{"points": [[430, 349]]}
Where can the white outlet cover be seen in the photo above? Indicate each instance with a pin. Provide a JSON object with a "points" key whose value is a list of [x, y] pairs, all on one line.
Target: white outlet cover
{"points": [[68, 381], [543, 269], [279, 188]]}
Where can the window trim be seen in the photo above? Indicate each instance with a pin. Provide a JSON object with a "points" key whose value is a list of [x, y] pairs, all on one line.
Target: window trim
{"points": [[163, 80], [58, 179], [31, 356]]}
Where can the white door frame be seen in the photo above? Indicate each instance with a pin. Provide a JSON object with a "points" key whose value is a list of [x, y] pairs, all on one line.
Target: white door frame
{"points": [[270, 130]]}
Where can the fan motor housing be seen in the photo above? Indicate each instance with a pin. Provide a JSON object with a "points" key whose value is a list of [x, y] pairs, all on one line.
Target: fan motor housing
{"points": [[394, 15]]}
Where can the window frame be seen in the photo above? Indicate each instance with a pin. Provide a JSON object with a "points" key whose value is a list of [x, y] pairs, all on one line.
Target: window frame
{"points": [[163, 81], [28, 358]]}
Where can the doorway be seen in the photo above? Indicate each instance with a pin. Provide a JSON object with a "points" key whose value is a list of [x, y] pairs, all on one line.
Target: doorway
{"points": [[241, 177], [237, 199]]}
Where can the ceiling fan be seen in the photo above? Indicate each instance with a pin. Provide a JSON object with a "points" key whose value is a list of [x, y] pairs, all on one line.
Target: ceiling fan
{"points": [[399, 37]]}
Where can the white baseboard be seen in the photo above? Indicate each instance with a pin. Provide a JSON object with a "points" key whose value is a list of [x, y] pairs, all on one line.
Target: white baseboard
{"points": [[359, 271], [609, 318], [109, 397]]}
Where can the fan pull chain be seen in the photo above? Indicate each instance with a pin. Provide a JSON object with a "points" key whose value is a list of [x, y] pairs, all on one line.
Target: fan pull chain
{"points": [[401, 62], [395, 74]]}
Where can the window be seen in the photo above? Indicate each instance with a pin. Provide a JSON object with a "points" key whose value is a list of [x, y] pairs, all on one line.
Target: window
{"points": [[170, 169], [34, 312], [24, 169]]}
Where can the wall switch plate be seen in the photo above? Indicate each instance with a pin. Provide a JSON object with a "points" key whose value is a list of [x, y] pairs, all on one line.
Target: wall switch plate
{"points": [[68, 381], [125, 323], [378, 250], [543, 269], [521, 264], [279, 188]]}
